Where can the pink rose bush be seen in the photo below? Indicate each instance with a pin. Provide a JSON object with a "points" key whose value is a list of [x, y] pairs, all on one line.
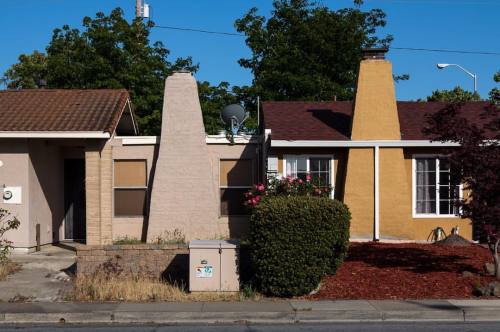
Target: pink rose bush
{"points": [[286, 187]]}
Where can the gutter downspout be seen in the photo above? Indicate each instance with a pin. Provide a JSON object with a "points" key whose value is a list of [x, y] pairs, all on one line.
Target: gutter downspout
{"points": [[376, 226]]}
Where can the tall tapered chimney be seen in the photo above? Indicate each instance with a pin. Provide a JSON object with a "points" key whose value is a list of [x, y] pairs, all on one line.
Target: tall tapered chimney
{"points": [[183, 195], [376, 187]]}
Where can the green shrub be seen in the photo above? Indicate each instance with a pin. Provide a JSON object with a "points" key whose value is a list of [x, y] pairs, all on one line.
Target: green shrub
{"points": [[295, 241]]}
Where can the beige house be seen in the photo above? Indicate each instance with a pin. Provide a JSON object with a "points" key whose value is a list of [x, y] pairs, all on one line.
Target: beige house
{"points": [[74, 169]]}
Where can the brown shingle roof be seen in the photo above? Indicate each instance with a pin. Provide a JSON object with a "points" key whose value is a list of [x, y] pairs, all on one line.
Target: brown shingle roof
{"points": [[61, 109], [412, 116], [299, 120]]}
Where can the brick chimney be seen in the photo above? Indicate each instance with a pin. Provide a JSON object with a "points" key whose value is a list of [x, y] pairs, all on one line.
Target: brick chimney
{"points": [[183, 195]]}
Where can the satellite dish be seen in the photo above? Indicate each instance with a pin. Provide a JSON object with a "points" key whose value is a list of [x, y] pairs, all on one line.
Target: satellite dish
{"points": [[233, 116]]}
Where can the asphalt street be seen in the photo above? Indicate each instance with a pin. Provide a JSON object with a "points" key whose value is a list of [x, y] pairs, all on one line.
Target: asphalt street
{"points": [[347, 327]]}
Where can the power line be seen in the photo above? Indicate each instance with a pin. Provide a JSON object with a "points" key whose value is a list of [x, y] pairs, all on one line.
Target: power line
{"points": [[199, 30], [393, 48], [444, 51]]}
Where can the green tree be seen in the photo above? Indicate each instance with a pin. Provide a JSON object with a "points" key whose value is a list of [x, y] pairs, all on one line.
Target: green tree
{"points": [[495, 92], [109, 52], [305, 51], [456, 95], [29, 73], [214, 98]]}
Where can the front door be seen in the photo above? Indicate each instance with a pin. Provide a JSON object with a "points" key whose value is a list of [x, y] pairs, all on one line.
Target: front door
{"points": [[74, 199]]}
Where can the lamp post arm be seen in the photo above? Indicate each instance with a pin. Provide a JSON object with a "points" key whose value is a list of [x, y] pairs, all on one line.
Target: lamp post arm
{"points": [[474, 76], [465, 70]]}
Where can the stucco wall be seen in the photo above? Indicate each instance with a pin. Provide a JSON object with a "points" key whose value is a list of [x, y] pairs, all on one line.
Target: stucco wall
{"points": [[46, 191], [396, 217], [375, 112], [133, 227], [232, 226], [359, 192], [14, 172], [183, 196]]}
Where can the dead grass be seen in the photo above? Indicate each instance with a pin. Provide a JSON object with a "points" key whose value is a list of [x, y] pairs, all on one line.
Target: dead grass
{"points": [[8, 267], [100, 287]]}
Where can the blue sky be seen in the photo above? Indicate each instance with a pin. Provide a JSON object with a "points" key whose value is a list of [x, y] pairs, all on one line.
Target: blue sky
{"points": [[27, 25]]}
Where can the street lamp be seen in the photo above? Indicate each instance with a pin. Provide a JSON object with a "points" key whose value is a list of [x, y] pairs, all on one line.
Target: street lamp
{"points": [[474, 76]]}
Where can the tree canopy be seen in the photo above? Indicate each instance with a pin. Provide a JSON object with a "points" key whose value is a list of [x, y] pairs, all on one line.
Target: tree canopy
{"points": [[495, 92], [214, 98], [456, 95], [476, 162], [108, 53], [305, 51]]}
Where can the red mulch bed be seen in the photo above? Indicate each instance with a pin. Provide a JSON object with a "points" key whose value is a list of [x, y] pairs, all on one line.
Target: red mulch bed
{"points": [[380, 271]]}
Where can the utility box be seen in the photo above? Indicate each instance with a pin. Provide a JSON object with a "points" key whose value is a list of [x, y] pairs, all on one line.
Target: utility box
{"points": [[213, 266]]}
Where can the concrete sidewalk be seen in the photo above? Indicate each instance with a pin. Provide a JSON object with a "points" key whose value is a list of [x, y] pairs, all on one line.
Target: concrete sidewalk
{"points": [[262, 312]]}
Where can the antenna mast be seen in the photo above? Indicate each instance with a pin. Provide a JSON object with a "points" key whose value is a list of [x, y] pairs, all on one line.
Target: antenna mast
{"points": [[138, 6], [141, 10]]}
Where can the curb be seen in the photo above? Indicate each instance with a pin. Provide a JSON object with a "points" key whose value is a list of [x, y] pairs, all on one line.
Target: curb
{"points": [[297, 317]]}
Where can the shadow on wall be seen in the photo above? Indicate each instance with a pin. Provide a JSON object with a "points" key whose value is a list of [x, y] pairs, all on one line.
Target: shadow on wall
{"points": [[177, 271], [237, 176], [48, 165], [145, 224]]}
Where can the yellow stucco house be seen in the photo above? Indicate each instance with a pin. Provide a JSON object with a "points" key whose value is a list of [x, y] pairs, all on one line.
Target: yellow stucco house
{"points": [[372, 151]]}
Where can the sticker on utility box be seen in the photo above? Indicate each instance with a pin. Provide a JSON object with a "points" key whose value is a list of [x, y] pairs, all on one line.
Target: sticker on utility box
{"points": [[204, 271]]}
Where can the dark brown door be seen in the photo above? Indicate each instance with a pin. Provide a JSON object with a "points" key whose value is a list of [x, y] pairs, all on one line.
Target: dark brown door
{"points": [[74, 199]]}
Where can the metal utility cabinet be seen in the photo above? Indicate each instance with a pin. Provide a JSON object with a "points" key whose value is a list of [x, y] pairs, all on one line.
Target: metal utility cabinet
{"points": [[213, 266]]}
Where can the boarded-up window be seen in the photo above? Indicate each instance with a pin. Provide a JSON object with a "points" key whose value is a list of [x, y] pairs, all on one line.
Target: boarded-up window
{"points": [[232, 201], [236, 178], [130, 187], [130, 173], [130, 202]]}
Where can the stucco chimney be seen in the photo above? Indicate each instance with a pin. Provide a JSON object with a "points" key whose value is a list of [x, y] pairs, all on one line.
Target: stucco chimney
{"points": [[183, 195], [376, 118], [375, 111]]}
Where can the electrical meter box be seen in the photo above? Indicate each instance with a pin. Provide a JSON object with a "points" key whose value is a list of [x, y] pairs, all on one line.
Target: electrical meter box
{"points": [[213, 266]]}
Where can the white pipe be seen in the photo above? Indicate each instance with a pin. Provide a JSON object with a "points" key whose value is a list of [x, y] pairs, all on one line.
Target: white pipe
{"points": [[376, 226]]}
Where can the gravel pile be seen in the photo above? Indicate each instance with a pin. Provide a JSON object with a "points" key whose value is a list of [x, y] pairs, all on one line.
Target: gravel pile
{"points": [[454, 240]]}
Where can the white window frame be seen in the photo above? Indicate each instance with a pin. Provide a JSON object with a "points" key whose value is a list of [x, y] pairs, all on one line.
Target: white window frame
{"points": [[414, 188], [308, 157]]}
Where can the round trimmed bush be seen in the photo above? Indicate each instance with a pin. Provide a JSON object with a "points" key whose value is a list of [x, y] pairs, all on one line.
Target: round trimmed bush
{"points": [[295, 241]]}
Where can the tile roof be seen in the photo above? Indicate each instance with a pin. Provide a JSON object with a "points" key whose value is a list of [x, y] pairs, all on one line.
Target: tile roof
{"points": [[61, 109], [290, 120]]}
